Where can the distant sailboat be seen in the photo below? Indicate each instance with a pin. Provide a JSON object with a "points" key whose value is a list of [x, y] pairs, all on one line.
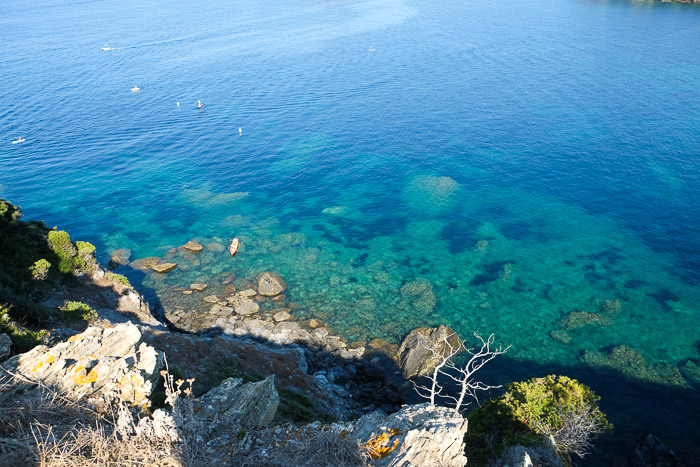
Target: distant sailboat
{"points": [[371, 49], [240, 130]]}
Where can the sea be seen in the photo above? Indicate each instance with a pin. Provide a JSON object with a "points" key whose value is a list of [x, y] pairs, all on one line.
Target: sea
{"points": [[529, 169]]}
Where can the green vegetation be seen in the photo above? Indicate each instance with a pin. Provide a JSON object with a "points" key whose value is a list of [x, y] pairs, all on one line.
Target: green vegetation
{"points": [[219, 371], [118, 278], [85, 259], [22, 339], [294, 407], [40, 269], [297, 408], [33, 260], [77, 311], [529, 412]]}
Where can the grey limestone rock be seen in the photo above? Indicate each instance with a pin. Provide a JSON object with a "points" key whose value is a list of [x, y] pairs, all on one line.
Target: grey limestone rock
{"points": [[420, 435], [270, 284], [101, 364], [5, 344], [416, 355], [249, 405]]}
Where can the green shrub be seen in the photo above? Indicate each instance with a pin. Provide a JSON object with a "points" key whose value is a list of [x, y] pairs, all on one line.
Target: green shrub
{"points": [[297, 408], [60, 243], [118, 278], [76, 311], [529, 412], [23, 339], [40, 269], [9, 212], [85, 260]]}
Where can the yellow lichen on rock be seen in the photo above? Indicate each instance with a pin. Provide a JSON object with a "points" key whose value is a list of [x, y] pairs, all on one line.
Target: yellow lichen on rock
{"points": [[378, 447], [48, 361], [81, 376], [75, 337]]}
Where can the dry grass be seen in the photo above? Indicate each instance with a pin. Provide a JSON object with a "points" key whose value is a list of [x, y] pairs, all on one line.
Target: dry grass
{"points": [[325, 449], [38, 427]]}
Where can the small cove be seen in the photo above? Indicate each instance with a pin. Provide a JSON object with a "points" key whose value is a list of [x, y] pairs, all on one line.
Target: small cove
{"points": [[497, 168]]}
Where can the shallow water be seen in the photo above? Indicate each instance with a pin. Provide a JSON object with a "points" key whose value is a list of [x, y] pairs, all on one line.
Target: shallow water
{"points": [[492, 166]]}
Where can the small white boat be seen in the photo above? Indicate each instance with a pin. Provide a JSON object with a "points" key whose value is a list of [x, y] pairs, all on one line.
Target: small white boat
{"points": [[371, 49], [135, 89], [106, 48], [20, 140]]}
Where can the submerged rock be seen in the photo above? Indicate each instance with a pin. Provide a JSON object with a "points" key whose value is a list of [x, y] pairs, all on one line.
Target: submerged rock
{"points": [[416, 435], [631, 363], [198, 287], [245, 306], [120, 257], [420, 294], [215, 247], [164, 267], [417, 353], [145, 264], [270, 284], [282, 316], [211, 299], [562, 337], [577, 319], [193, 245]]}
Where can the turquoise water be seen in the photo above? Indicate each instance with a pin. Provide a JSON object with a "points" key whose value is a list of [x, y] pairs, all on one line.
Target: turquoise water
{"points": [[495, 166]]}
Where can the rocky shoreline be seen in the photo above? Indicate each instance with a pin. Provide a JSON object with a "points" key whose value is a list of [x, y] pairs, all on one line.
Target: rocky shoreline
{"points": [[260, 376]]}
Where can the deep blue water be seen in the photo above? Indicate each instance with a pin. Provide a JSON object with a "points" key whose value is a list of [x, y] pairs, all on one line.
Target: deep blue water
{"points": [[491, 165]]}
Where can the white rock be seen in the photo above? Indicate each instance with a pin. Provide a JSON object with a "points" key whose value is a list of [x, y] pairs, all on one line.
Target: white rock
{"points": [[424, 436]]}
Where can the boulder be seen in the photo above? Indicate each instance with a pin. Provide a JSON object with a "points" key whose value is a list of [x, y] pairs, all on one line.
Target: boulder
{"points": [[249, 405], [377, 344], [516, 456], [313, 323], [282, 316], [420, 350], [211, 299], [193, 245], [164, 267], [650, 451], [112, 364], [215, 247], [144, 264], [5, 344], [416, 435], [247, 293], [245, 306], [198, 287], [270, 284], [120, 257]]}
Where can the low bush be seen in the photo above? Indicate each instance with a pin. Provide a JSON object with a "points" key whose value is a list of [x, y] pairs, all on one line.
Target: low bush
{"points": [[85, 259], [118, 278], [61, 244], [40, 269], [23, 339], [529, 412], [77, 311]]}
